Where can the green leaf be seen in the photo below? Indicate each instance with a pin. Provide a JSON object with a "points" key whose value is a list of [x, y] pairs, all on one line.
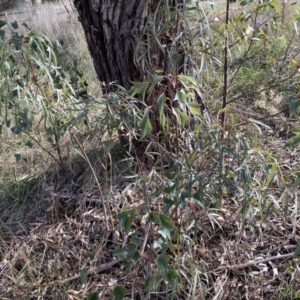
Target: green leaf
{"points": [[294, 105], [195, 109], [83, 276], [297, 251], [29, 144], [188, 81], [90, 255], [50, 140], [245, 2], [120, 253], [293, 141], [297, 181], [18, 157], [162, 264], [139, 88], [274, 4], [133, 254], [154, 217], [151, 283], [155, 80], [137, 241], [2, 23], [165, 233], [14, 25], [127, 224], [119, 292], [108, 145], [17, 129], [182, 117], [2, 34], [172, 274], [166, 222], [176, 58], [161, 101], [93, 296], [145, 124], [126, 218]]}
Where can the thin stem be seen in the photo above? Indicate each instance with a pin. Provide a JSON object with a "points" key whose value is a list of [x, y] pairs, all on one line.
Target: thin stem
{"points": [[225, 70]]}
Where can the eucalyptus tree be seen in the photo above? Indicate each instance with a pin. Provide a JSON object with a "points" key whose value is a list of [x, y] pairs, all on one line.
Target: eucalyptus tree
{"points": [[131, 39]]}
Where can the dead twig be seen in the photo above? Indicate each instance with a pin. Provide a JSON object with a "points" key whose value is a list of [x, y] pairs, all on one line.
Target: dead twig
{"points": [[256, 262], [97, 182]]}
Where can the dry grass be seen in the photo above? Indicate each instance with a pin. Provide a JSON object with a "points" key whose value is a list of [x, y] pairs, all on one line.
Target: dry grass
{"points": [[59, 23], [52, 223]]}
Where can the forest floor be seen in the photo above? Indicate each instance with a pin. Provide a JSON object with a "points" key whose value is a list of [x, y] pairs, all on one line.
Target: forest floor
{"points": [[54, 243]]}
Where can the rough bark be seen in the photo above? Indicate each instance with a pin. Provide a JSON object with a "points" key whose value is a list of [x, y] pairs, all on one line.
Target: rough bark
{"points": [[113, 31]]}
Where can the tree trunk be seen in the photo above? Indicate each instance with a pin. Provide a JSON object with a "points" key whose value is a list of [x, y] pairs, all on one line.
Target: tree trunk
{"points": [[117, 39], [130, 40]]}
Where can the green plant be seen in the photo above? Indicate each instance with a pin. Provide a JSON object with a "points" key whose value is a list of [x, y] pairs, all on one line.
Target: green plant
{"points": [[35, 95]]}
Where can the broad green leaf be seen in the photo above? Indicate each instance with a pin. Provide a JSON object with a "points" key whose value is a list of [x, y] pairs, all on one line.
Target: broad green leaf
{"points": [[172, 274], [2, 34], [93, 296], [119, 292], [293, 141], [127, 224], [182, 117], [2, 23], [17, 129], [162, 264], [195, 109], [181, 97], [154, 217], [137, 241], [151, 283], [161, 101], [297, 251], [294, 105], [120, 253], [139, 88], [50, 140], [133, 254], [297, 181], [145, 124], [245, 2], [108, 145], [83, 276], [14, 24], [158, 244], [165, 233], [17, 157], [176, 58], [274, 4], [29, 144], [166, 222], [188, 81], [155, 80]]}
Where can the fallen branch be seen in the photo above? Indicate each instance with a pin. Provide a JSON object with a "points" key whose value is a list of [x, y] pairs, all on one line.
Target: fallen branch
{"points": [[256, 262], [91, 271]]}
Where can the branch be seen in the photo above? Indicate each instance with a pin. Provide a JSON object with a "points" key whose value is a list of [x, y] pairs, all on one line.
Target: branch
{"points": [[256, 262]]}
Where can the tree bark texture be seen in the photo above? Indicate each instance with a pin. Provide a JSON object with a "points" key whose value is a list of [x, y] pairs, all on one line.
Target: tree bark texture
{"points": [[121, 48]]}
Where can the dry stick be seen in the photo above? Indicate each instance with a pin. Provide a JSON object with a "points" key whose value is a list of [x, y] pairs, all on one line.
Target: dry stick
{"points": [[225, 69], [91, 271], [97, 182], [256, 262], [145, 239]]}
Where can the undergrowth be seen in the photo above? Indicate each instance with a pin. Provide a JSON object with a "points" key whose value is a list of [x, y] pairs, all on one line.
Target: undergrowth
{"points": [[203, 208]]}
